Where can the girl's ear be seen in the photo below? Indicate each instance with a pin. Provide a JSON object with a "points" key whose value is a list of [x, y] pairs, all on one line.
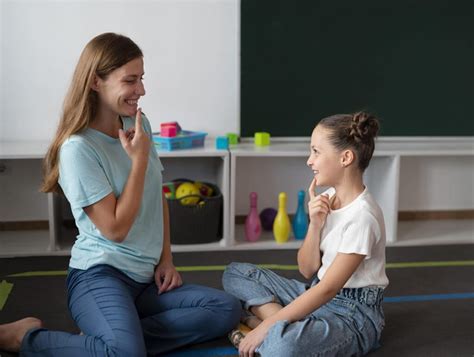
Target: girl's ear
{"points": [[347, 158]]}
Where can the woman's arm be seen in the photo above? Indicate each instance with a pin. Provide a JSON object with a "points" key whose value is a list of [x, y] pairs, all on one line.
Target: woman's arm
{"points": [[166, 276], [115, 216], [166, 255]]}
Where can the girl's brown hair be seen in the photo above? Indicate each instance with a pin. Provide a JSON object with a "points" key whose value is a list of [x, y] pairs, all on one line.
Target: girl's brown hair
{"points": [[102, 55], [353, 131]]}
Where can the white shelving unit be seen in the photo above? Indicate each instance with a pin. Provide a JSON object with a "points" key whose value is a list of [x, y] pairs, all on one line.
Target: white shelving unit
{"points": [[284, 165], [200, 164], [269, 170]]}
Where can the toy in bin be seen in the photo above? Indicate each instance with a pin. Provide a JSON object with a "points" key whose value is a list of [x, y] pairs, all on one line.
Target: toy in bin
{"points": [[187, 192], [195, 211], [170, 130], [172, 137]]}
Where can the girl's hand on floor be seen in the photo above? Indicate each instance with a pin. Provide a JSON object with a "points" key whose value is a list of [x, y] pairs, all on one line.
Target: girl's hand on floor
{"points": [[318, 206], [253, 340], [167, 277]]}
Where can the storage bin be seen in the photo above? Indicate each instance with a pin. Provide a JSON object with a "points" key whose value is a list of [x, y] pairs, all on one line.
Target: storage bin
{"points": [[185, 140], [196, 224]]}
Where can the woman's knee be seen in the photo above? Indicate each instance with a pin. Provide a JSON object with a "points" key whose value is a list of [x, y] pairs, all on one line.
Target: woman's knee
{"points": [[133, 347], [227, 312]]}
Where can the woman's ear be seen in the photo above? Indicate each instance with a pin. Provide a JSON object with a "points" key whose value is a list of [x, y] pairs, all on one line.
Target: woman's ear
{"points": [[95, 83], [347, 158]]}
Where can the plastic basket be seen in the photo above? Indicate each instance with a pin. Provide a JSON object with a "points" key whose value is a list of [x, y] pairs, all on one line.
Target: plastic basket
{"points": [[195, 224], [185, 140]]}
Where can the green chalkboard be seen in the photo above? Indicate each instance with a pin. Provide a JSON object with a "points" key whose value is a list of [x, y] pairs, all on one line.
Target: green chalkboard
{"points": [[411, 62]]}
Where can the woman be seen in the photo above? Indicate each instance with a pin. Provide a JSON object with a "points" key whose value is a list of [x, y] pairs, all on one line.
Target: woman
{"points": [[124, 292]]}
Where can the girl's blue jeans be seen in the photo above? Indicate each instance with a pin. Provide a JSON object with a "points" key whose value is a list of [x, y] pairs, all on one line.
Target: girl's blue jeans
{"points": [[348, 325], [120, 317]]}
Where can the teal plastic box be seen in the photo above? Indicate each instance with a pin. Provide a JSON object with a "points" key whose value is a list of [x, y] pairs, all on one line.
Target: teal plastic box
{"points": [[185, 140]]}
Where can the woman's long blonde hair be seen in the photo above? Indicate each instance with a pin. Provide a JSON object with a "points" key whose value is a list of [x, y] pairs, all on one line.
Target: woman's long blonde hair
{"points": [[100, 57]]}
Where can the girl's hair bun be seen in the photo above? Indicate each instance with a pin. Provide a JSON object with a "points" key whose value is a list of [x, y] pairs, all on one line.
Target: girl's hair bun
{"points": [[364, 127]]}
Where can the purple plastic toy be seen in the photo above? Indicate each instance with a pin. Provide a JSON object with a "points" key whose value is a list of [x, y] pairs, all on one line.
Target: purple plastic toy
{"points": [[267, 216]]}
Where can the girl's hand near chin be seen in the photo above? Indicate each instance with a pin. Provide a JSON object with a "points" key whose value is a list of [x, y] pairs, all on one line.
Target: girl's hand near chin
{"points": [[318, 206]]}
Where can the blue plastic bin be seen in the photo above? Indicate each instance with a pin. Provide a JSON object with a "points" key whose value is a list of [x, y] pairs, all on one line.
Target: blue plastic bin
{"points": [[185, 140]]}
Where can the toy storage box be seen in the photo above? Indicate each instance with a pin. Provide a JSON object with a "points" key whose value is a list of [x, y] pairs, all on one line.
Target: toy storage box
{"points": [[196, 224], [185, 140]]}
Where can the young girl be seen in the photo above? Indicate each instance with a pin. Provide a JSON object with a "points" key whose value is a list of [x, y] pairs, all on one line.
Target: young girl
{"points": [[340, 312], [124, 292]]}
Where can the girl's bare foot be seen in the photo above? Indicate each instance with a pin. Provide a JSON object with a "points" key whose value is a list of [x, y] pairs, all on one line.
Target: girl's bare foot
{"points": [[12, 334], [251, 321]]}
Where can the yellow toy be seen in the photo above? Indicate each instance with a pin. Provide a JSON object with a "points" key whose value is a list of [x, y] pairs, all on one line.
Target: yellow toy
{"points": [[281, 225], [188, 189]]}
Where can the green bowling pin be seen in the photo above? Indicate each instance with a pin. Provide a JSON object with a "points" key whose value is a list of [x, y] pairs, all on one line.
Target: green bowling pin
{"points": [[281, 225]]}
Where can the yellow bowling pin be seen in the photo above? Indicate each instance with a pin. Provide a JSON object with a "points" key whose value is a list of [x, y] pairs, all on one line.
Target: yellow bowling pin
{"points": [[281, 225]]}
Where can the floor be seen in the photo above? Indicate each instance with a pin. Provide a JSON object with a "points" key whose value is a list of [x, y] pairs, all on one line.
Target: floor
{"points": [[428, 307]]}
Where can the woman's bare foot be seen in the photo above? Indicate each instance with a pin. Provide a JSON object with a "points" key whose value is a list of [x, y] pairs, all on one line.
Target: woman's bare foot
{"points": [[12, 334]]}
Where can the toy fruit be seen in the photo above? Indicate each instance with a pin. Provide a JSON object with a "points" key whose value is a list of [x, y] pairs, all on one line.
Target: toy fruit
{"points": [[169, 190], [204, 189], [187, 189]]}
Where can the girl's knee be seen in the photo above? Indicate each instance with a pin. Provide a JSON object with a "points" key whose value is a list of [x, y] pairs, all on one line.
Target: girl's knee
{"points": [[238, 269], [283, 341]]}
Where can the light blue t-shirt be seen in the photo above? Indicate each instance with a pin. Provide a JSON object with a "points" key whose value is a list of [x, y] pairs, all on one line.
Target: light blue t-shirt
{"points": [[92, 165]]}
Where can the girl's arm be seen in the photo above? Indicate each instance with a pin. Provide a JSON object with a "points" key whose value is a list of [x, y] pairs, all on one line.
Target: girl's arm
{"points": [[114, 216], [309, 255]]}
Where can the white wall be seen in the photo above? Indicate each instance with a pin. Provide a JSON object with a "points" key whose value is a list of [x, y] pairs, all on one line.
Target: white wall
{"points": [[191, 60], [192, 51]]}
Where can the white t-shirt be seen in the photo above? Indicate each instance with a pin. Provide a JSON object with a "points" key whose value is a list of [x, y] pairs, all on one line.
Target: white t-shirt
{"points": [[356, 228]]}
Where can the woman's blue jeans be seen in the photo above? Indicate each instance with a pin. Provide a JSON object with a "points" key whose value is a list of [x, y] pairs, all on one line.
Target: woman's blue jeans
{"points": [[348, 325], [120, 317]]}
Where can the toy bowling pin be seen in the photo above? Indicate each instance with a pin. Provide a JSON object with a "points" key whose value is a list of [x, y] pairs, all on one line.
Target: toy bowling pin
{"points": [[281, 225], [253, 226], [300, 221]]}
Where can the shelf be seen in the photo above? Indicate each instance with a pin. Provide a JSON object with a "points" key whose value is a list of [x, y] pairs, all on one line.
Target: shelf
{"points": [[385, 146], [28, 243], [413, 233], [34, 149], [265, 241], [267, 170], [281, 167]]}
